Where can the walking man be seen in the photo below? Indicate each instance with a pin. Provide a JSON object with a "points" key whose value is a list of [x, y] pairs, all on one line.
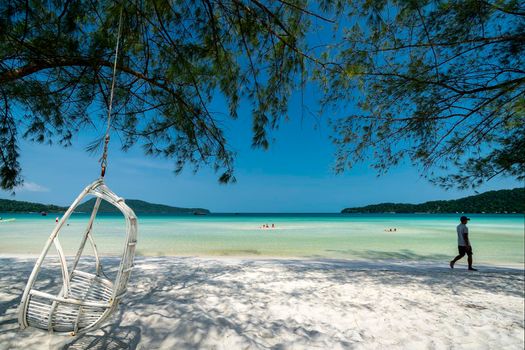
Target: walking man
{"points": [[464, 246]]}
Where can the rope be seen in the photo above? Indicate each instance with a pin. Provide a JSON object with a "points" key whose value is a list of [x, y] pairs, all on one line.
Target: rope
{"points": [[104, 158]]}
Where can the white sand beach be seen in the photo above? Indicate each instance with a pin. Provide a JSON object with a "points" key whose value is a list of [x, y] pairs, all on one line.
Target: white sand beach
{"points": [[235, 303]]}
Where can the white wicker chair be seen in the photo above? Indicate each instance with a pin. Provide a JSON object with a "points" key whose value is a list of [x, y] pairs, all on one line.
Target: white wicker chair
{"points": [[85, 299]]}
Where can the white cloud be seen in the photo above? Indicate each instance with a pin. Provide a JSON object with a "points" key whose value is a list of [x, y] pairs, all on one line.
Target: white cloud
{"points": [[161, 164], [32, 187]]}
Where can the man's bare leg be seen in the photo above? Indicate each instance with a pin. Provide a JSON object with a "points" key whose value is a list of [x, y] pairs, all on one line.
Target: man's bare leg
{"points": [[469, 260], [456, 259]]}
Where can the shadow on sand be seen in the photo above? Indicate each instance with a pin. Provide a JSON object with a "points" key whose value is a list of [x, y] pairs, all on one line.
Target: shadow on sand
{"points": [[182, 302]]}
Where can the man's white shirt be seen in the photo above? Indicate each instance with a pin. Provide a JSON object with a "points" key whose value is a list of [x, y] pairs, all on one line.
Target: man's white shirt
{"points": [[461, 229]]}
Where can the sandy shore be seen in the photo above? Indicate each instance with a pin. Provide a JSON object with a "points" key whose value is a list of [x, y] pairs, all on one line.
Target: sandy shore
{"points": [[199, 303]]}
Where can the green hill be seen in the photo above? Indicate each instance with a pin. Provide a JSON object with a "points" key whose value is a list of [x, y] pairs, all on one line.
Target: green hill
{"points": [[140, 207], [502, 201], [7, 205]]}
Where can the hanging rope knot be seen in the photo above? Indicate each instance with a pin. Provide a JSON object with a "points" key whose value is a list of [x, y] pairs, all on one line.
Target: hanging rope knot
{"points": [[103, 165], [106, 142], [104, 158]]}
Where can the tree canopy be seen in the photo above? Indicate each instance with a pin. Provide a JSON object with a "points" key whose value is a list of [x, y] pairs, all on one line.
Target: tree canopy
{"points": [[175, 58], [440, 83]]}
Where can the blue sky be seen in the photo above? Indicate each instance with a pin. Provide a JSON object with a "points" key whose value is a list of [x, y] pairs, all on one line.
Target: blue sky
{"points": [[294, 175]]}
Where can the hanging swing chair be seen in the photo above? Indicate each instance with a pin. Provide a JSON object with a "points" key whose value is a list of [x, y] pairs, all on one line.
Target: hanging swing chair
{"points": [[85, 299]]}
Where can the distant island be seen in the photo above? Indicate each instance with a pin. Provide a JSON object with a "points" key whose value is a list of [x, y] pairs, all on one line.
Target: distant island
{"points": [[493, 202], [140, 207], [12, 206]]}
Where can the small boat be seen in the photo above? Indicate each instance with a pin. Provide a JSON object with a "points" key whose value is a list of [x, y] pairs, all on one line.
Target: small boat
{"points": [[43, 213]]}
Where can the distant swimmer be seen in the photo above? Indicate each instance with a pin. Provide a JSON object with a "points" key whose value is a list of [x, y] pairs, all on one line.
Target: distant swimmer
{"points": [[273, 225], [56, 220]]}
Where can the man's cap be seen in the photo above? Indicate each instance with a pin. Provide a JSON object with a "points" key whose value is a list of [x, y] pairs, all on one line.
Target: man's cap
{"points": [[464, 218]]}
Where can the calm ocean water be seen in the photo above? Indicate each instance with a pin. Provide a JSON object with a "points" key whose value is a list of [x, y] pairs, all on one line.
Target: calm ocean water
{"points": [[497, 239]]}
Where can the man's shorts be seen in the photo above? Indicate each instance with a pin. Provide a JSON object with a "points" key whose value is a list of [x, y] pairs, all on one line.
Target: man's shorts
{"points": [[465, 250]]}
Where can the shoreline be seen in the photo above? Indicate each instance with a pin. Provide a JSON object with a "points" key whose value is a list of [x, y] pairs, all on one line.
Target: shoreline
{"points": [[51, 214], [240, 258]]}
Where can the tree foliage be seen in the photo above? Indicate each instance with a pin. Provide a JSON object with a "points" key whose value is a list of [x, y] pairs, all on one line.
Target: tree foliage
{"points": [[175, 58], [441, 83]]}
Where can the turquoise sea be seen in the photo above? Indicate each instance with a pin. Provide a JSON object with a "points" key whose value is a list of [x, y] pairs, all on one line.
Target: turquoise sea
{"points": [[497, 239]]}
